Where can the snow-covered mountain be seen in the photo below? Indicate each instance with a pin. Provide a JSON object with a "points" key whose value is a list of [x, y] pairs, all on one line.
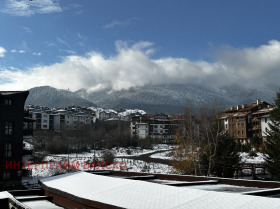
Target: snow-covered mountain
{"points": [[52, 97], [151, 98], [173, 98]]}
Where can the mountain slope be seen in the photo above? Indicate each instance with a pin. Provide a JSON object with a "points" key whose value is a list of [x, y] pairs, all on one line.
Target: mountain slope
{"points": [[52, 97], [173, 98]]}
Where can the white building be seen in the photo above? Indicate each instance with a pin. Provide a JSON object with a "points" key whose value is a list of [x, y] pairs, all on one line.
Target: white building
{"points": [[140, 129], [47, 119], [265, 121]]}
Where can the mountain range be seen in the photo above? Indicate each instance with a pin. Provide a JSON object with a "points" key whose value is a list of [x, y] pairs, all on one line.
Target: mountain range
{"points": [[171, 98], [52, 97]]}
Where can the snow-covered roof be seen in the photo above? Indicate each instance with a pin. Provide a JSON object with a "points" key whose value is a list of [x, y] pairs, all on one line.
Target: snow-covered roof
{"points": [[27, 146], [127, 193], [131, 111], [5, 194]]}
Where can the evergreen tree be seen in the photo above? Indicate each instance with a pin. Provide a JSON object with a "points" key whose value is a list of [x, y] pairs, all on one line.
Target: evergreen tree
{"points": [[227, 159], [272, 143]]}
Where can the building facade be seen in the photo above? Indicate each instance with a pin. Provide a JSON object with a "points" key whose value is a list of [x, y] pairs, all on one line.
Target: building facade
{"points": [[158, 126], [55, 119], [244, 122], [11, 133]]}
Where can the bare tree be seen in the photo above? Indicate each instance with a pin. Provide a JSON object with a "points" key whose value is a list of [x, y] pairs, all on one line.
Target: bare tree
{"points": [[210, 131], [187, 153]]}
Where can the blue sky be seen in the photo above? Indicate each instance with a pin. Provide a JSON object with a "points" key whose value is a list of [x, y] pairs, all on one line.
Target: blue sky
{"points": [[111, 44]]}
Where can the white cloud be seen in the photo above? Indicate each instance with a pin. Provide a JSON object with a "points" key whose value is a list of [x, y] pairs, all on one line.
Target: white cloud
{"points": [[28, 30], [116, 23], [28, 8], [2, 51], [132, 66], [37, 53], [63, 42], [18, 51]]}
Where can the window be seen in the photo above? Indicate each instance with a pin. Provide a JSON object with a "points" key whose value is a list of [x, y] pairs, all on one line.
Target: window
{"points": [[9, 126], [45, 121], [8, 102], [8, 150], [6, 174]]}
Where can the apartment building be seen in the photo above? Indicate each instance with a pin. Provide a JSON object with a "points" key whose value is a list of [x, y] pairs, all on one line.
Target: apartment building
{"points": [[159, 126], [244, 122], [55, 119], [11, 132]]}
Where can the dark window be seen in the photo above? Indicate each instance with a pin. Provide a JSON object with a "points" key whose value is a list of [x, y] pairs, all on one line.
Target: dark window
{"points": [[8, 150], [7, 174], [8, 102], [9, 126]]}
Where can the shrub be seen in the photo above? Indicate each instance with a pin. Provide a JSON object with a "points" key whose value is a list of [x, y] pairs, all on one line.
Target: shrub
{"points": [[108, 156]]}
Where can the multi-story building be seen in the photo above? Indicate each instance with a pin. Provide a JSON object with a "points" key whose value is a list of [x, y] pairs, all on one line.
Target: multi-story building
{"points": [[243, 122], [159, 126], [12, 132], [55, 119], [107, 114], [139, 126]]}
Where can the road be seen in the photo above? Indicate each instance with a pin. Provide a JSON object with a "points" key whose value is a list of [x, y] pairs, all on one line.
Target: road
{"points": [[148, 159]]}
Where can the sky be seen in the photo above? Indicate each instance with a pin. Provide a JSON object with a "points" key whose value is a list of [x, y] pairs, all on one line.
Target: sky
{"points": [[118, 44]]}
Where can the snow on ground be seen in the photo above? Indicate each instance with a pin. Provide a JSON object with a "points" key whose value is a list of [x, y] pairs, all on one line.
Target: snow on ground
{"points": [[163, 155], [141, 166], [57, 164], [245, 158]]}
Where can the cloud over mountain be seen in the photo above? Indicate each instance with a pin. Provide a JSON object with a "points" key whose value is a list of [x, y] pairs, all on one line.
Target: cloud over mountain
{"points": [[132, 66]]}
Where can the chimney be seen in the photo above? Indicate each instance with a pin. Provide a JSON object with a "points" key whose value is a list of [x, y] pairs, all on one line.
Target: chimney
{"points": [[259, 101], [243, 106], [238, 107]]}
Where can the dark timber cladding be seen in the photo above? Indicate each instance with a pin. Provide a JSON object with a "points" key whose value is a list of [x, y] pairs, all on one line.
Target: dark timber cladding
{"points": [[11, 132]]}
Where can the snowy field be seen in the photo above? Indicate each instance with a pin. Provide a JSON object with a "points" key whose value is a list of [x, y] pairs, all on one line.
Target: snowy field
{"points": [[163, 155], [57, 164]]}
